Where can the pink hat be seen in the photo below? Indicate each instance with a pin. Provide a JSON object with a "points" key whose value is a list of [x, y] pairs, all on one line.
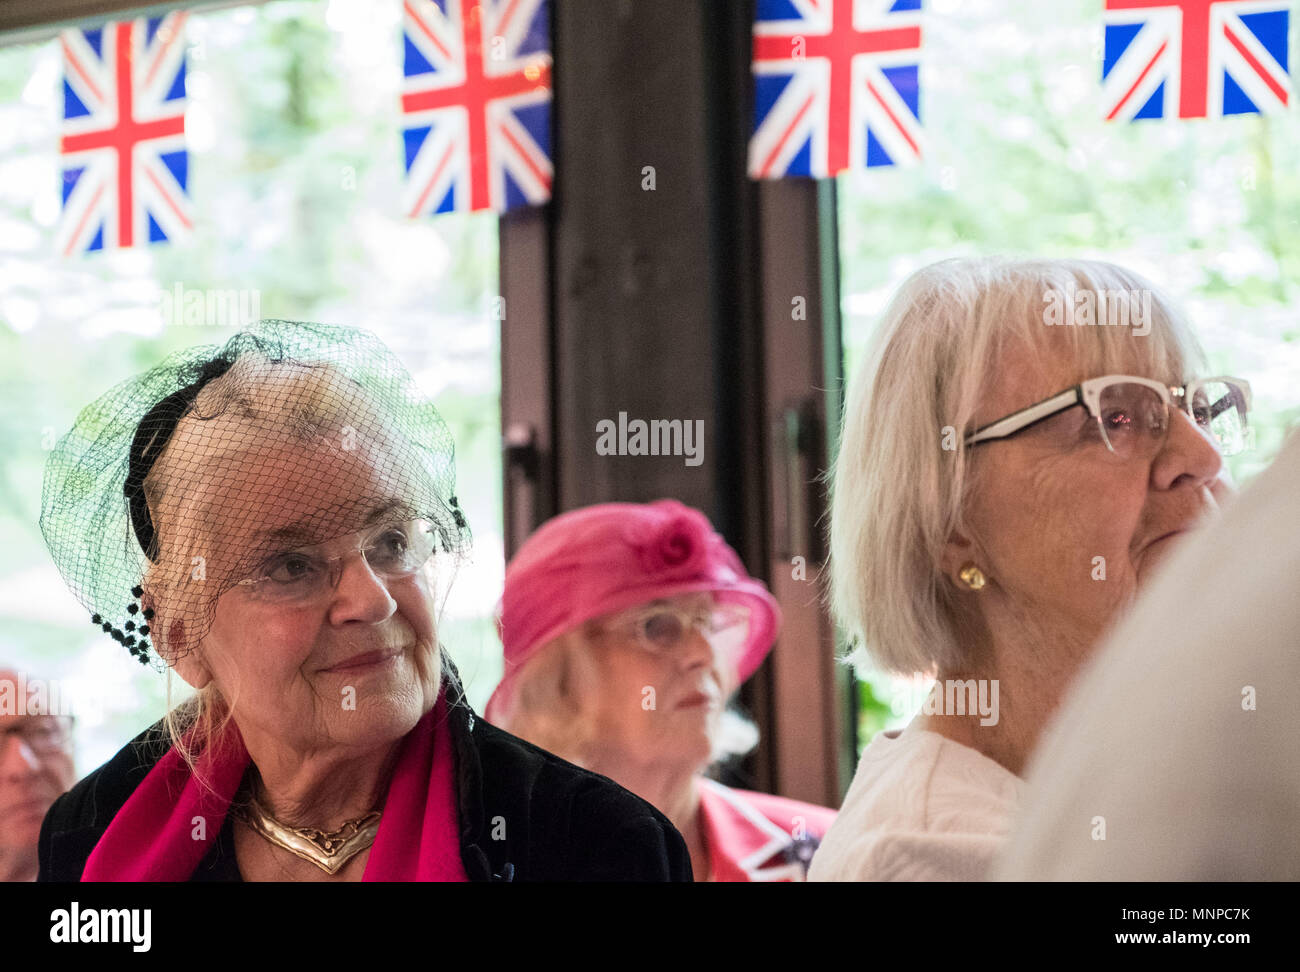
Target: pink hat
{"points": [[606, 558]]}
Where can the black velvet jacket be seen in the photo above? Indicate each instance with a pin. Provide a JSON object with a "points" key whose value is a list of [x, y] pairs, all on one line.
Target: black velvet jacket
{"points": [[561, 823]]}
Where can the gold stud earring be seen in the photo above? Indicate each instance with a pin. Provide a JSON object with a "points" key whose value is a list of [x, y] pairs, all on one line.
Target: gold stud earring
{"points": [[972, 577]]}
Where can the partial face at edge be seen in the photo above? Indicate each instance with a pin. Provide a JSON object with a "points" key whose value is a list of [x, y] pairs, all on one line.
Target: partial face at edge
{"points": [[30, 780]]}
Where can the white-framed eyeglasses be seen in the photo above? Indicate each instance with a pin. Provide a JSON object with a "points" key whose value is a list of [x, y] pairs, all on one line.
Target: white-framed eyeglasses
{"points": [[390, 550], [1133, 414]]}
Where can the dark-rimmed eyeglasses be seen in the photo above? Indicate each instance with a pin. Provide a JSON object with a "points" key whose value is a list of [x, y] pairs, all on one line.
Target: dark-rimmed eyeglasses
{"points": [[1133, 414]]}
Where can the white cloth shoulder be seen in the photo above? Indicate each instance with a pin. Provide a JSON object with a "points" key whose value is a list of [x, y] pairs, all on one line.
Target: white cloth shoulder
{"points": [[921, 808]]}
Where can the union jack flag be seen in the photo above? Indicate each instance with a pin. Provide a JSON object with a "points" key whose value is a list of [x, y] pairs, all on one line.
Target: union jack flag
{"points": [[1195, 58], [835, 86], [477, 105], [125, 167]]}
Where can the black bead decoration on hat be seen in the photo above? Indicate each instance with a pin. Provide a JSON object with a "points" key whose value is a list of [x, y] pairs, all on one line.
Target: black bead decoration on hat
{"points": [[458, 518], [139, 649], [456, 513]]}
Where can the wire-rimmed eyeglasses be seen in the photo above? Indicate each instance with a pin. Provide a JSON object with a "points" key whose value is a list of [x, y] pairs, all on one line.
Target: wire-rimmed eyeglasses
{"points": [[390, 550]]}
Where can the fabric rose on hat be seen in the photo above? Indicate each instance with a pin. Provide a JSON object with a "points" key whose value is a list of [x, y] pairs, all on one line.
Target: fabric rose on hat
{"points": [[678, 545]]}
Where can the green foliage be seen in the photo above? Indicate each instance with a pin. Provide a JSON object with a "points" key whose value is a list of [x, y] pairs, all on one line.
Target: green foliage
{"points": [[874, 713]]}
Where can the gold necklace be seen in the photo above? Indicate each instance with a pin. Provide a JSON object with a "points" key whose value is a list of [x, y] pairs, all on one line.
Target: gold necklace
{"points": [[327, 849]]}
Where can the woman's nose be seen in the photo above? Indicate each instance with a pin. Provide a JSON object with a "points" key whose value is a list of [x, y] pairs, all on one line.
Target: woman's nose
{"points": [[1189, 455], [695, 649], [360, 594]]}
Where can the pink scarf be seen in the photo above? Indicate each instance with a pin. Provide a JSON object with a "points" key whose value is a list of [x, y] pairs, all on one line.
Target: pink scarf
{"points": [[152, 837]]}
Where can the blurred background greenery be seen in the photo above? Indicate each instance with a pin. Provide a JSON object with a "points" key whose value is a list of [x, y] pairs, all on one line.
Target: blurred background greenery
{"points": [[1019, 161]]}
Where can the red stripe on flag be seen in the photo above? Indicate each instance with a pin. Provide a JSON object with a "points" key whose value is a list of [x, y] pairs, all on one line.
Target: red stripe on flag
{"points": [[503, 22], [125, 147], [504, 86], [1129, 94], [433, 181], [167, 198], [1263, 72], [524, 156], [476, 101], [71, 60], [94, 201], [769, 47], [893, 118], [766, 167], [424, 29], [174, 34]]}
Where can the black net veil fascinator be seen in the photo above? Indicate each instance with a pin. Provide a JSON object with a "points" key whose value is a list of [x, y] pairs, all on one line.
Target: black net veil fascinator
{"points": [[193, 477]]}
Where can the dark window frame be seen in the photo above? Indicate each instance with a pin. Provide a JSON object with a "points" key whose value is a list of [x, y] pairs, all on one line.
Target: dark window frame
{"points": [[803, 699]]}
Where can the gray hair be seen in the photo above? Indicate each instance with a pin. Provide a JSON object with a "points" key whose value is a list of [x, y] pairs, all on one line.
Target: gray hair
{"points": [[897, 495]]}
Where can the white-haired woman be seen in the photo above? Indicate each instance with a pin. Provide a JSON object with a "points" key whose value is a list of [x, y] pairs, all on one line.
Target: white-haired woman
{"points": [[1014, 465], [627, 627], [274, 507]]}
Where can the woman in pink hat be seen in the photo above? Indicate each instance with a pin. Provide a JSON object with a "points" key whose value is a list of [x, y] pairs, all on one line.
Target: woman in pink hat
{"points": [[626, 629]]}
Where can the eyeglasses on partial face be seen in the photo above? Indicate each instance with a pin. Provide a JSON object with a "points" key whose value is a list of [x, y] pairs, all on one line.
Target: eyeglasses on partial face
{"points": [[43, 734], [662, 627], [391, 551], [1133, 415]]}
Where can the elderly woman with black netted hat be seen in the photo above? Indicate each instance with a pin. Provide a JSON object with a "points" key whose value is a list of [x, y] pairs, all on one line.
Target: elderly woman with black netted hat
{"points": [[272, 520]]}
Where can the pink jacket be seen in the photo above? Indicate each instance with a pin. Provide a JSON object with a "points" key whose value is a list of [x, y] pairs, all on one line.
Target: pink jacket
{"points": [[759, 837]]}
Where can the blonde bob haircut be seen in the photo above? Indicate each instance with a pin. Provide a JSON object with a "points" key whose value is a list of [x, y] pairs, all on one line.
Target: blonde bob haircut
{"points": [[897, 494]]}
